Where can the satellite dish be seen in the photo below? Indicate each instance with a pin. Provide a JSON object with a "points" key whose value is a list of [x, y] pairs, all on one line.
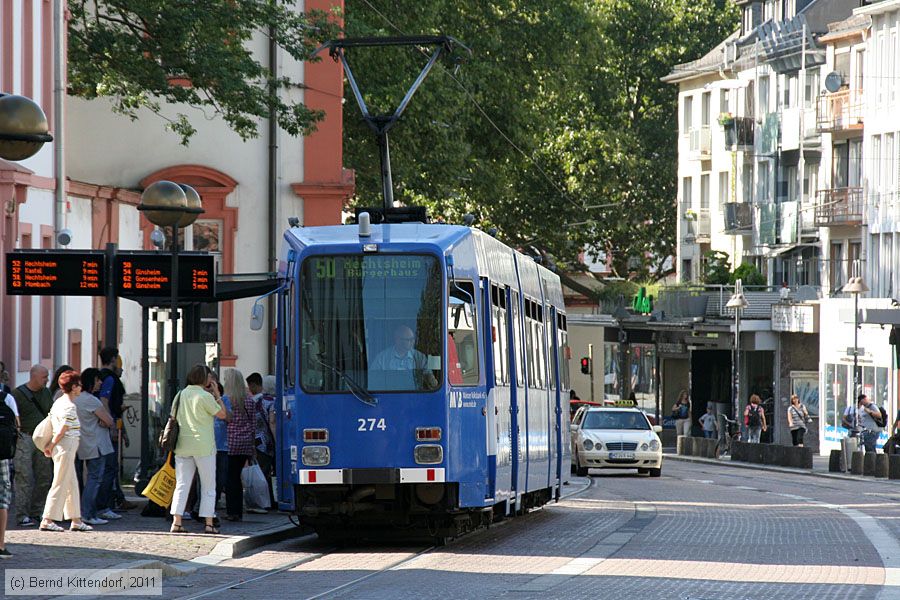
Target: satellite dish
{"points": [[834, 81]]}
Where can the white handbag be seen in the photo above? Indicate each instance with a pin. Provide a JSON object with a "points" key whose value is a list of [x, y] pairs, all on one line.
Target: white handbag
{"points": [[43, 433]]}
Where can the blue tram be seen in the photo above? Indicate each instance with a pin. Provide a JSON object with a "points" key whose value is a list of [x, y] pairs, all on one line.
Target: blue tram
{"points": [[423, 376]]}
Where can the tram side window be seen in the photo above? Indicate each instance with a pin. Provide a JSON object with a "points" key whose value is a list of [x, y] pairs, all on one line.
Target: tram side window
{"points": [[462, 332], [517, 338], [529, 341], [540, 358], [564, 353], [499, 332]]}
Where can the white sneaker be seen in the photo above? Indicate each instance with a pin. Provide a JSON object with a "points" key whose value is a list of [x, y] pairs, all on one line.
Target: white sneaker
{"points": [[96, 521], [109, 515]]}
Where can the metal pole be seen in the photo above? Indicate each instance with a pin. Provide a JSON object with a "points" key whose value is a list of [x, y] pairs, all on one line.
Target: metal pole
{"points": [[856, 390], [111, 322], [59, 166], [591, 362], [143, 475], [735, 365], [173, 318], [387, 185]]}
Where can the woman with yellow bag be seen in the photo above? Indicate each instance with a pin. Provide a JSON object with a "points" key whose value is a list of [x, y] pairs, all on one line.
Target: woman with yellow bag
{"points": [[195, 451]]}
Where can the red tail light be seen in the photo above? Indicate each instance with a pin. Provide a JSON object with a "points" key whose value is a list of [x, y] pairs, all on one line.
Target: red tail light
{"points": [[428, 434], [315, 435]]}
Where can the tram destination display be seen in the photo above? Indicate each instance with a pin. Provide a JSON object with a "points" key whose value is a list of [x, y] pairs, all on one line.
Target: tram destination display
{"points": [[59, 273], [137, 274]]}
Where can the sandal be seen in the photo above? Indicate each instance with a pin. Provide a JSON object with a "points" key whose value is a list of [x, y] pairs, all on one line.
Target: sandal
{"points": [[177, 529], [80, 527], [211, 529], [51, 526]]}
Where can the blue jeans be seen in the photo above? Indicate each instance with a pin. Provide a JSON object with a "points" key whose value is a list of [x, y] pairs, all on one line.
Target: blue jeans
{"points": [[96, 467], [106, 495], [869, 439], [221, 473], [709, 434], [753, 434]]}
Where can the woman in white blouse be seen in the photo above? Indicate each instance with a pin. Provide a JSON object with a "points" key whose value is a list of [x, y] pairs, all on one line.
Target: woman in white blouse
{"points": [[63, 500]]}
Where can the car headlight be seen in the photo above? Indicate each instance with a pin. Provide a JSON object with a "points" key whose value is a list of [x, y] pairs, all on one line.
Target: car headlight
{"points": [[654, 445], [588, 445], [645, 446]]}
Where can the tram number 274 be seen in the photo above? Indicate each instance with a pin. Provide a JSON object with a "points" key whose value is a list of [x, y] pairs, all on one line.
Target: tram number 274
{"points": [[371, 424]]}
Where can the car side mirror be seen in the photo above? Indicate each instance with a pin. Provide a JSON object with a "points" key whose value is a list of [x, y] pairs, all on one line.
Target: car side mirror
{"points": [[657, 428], [257, 313]]}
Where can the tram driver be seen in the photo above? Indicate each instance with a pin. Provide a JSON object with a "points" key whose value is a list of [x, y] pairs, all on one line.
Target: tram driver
{"points": [[403, 364]]}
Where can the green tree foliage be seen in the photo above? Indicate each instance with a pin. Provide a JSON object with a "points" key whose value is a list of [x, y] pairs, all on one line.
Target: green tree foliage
{"points": [[716, 269], [558, 131], [136, 52], [748, 274]]}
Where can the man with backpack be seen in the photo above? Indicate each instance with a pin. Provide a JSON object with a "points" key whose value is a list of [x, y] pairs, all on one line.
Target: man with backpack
{"points": [[754, 419], [9, 436], [871, 421], [112, 395]]}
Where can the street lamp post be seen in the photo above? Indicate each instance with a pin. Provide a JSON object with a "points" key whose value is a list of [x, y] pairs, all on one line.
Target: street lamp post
{"points": [[175, 205], [738, 303], [855, 286]]}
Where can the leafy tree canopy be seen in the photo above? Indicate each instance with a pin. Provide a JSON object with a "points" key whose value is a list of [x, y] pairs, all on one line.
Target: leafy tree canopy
{"points": [[146, 53], [558, 131]]}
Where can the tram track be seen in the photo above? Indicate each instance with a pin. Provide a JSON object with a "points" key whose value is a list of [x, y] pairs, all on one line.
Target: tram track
{"points": [[332, 551]]}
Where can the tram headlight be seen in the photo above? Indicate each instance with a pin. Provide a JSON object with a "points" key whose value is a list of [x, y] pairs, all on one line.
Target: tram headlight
{"points": [[316, 456], [588, 445], [428, 454]]}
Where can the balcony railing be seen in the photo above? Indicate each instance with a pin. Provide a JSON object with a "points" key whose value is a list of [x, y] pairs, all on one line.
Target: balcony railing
{"points": [[739, 133], [701, 143], [738, 217], [839, 206], [840, 110]]}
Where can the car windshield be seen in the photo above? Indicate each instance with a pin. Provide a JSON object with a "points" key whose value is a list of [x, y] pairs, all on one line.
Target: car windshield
{"points": [[608, 419], [371, 321]]}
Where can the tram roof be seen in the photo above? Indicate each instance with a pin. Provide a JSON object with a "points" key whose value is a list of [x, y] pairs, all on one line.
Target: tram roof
{"points": [[443, 236]]}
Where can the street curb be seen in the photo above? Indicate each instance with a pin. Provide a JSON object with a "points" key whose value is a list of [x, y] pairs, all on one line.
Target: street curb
{"points": [[774, 469], [239, 544]]}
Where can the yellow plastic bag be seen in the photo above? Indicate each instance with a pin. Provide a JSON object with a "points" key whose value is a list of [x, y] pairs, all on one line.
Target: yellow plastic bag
{"points": [[161, 487]]}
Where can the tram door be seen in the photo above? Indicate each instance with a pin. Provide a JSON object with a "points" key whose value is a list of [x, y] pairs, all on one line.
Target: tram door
{"points": [[556, 396]]}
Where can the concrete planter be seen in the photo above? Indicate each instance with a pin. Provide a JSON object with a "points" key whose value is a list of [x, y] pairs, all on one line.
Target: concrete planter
{"points": [[798, 458], [894, 466], [834, 462], [711, 448], [856, 463], [698, 447], [869, 463], [881, 466], [739, 451], [685, 445], [774, 454], [755, 453]]}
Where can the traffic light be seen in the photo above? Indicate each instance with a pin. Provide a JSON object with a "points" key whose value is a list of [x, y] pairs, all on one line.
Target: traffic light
{"points": [[585, 365]]}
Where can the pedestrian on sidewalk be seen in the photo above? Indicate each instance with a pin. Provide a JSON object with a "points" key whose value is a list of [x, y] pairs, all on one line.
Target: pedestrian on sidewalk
{"points": [[241, 433], [93, 446], [869, 417], [797, 417], [708, 422], [221, 430], [195, 450], [55, 390], [682, 414], [754, 419], [5, 481], [34, 471], [265, 433], [112, 395], [63, 501]]}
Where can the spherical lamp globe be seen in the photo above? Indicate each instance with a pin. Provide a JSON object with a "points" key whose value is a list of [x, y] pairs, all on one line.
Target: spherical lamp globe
{"points": [[163, 203], [23, 127], [194, 206]]}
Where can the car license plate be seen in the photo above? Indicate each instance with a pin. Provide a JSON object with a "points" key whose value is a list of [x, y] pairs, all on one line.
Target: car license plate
{"points": [[621, 454]]}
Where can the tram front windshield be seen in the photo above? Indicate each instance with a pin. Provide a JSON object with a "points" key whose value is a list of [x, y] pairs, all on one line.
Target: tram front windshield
{"points": [[372, 322]]}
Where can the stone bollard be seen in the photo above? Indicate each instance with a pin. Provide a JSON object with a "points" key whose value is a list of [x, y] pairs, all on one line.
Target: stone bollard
{"points": [[755, 453], [834, 462], [806, 458], [881, 466], [739, 451], [894, 466], [869, 463], [711, 447], [679, 445], [856, 462], [698, 445], [688, 445]]}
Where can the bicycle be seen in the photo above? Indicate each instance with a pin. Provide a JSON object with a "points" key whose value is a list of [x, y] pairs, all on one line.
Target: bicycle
{"points": [[732, 434]]}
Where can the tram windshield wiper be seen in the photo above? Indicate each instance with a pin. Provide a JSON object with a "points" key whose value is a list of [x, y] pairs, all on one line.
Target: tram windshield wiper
{"points": [[357, 390]]}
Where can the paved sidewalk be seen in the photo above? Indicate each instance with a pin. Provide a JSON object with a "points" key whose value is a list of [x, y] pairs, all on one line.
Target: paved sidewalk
{"points": [[820, 467], [134, 538]]}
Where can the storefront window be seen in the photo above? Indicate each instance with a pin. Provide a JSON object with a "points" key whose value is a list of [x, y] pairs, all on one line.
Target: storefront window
{"points": [[836, 400], [610, 371], [643, 380]]}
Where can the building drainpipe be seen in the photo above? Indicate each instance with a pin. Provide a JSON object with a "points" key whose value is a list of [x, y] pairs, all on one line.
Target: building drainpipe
{"points": [[59, 167], [272, 199]]}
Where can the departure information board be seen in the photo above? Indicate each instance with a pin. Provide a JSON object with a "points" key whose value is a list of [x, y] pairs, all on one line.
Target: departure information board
{"points": [[149, 274], [55, 273]]}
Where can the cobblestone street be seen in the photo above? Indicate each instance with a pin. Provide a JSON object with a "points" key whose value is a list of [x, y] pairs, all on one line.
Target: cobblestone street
{"points": [[701, 532]]}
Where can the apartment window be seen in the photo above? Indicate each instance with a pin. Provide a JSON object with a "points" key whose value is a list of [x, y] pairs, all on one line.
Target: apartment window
{"points": [[854, 163], [764, 185], [811, 89], [686, 193], [854, 255], [873, 270], [880, 71], [747, 183], [724, 101], [686, 270], [840, 166], [688, 114], [876, 165], [788, 189], [842, 65], [749, 106], [810, 180], [724, 187], [704, 108], [789, 92], [892, 67], [769, 10], [704, 191], [885, 266], [836, 270], [764, 94], [890, 167], [860, 62]]}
